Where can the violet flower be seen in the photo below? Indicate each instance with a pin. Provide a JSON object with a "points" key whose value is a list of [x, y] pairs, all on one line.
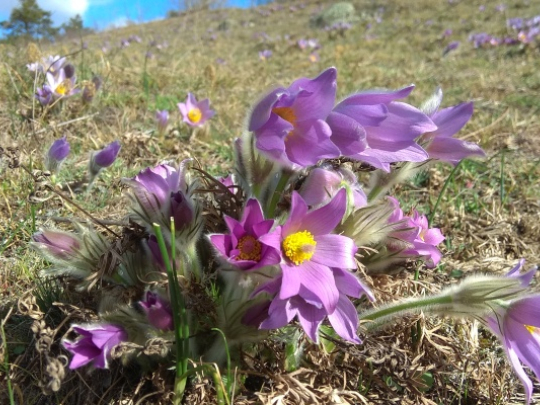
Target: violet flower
{"points": [[289, 123], [309, 251], [441, 144], [310, 313], [195, 113], [44, 95], [57, 153], [104, 158], [57, 244], [372, 127], [243, 247], [158, 311], [265, 54], [162, 118], [452, 46], [50, 64], [62, 84], [94, 345], [425, 243]]}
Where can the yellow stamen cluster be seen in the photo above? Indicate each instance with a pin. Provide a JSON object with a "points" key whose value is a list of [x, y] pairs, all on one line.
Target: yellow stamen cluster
{"points": [[287, 113], [250, 248], [299, 247], [194, 115], [531, 329], [63, 88]]}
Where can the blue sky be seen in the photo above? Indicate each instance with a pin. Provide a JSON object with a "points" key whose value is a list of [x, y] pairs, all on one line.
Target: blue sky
{"points": [[104, 13]]}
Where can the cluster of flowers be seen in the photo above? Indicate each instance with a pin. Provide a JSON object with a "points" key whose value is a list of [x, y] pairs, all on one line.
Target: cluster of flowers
{"points": [[61, 81], [526, 32], [291, 251], [338, 28]]}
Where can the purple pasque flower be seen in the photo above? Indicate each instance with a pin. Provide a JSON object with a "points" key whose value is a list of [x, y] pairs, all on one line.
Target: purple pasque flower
{"points": [[243, 247], [158, 311], [452, 46], [517, 325], [94, 345], [323, 183], [309, 251], [426, 241], [104, 158], [265, 54], [57, 153], [441, 144], [44, 95], [159, 193], [311, 313], [372, 127], [57, 244], [195, 113], [289, 123], [62, 83], [50, 64], [162, 118]]}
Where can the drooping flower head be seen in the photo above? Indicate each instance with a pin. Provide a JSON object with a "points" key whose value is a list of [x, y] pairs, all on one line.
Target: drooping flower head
{"points": [[158, 311], [94, 344], [242, 247], [57, 153], [195, 113], [162, 118], [104, 158], [289, 123], [57, 244], [441, 144]]}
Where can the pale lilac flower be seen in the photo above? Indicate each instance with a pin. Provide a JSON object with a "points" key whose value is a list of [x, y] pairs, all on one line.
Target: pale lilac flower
{"points": [[302, 43], [58, 244], [323, 183], [94, 345], [57, 153], [243, 247], [104, 158], [426, 241], [371, 126], [62, 84], [158, 311], [265, 54], [447, 32], [44, 95], [195, 113], [50, 64], [289, 123], [441, 144], [162, 118]]}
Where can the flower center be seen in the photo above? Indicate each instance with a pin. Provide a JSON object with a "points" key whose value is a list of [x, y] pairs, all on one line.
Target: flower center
{"points": [[299, 247], [250, 248], [286, 113], [194, 115], [531, 329], [63, 88]]}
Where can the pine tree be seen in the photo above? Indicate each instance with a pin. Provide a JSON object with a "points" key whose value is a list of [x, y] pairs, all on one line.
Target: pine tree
{"points": [[29, 20]]}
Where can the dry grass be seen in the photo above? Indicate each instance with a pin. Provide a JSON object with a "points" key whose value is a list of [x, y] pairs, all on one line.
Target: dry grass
{"points": [[489, 213]]}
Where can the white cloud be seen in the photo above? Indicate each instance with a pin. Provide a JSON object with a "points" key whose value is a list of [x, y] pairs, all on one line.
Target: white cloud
{"points": [[119, 23], [62, 10]]}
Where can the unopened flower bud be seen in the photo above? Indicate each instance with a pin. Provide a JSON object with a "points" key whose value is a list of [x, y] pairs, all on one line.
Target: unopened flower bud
{"points": [[104, 158], [57, 153], [158, 311]]}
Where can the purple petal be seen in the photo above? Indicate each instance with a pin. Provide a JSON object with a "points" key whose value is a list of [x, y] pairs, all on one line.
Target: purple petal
{"points": [[252, 214], [365, 115], [453, 150], [344, 320], [347, 134], [371, 97], [324, 220], [526, 311], [349, 284], [321, 100], [335, 251], [309, 143], [450, 120], [261, 113]]}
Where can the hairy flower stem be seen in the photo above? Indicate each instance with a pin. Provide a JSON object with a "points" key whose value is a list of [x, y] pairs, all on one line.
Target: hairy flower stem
{"points": [[428, 303], [181, 323]]}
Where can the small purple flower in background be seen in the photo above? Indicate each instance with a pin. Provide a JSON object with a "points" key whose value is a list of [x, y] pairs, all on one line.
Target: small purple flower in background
{"points": [[94, 345], [135, 38], [57, 244], [57, 153], [243, 247], [302, 43], [452, 46], [500, 8], [441, 144], [221, 61], [195, 113], [426, 241], [314, 57], [265, 55], [162, 118], [104, 158], [289, 125], [447, 33], [158, 311], [44, 95], [124, 43]]}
